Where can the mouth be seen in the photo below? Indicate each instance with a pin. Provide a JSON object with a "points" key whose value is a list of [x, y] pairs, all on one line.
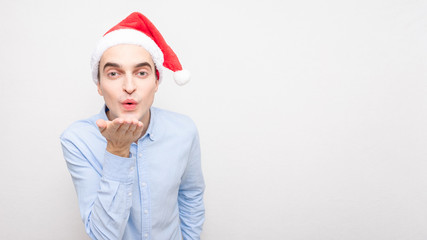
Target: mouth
{"points": [[129, 104]]}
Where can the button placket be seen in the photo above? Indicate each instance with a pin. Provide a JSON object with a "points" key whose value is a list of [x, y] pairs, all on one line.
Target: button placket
{"points": [[143, 186]]}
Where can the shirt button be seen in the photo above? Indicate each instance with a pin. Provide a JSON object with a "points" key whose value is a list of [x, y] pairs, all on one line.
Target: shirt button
{"points": [[143, 184], [140, 155], [146, 211], [131, 169], [130, 194], [146, 235]]}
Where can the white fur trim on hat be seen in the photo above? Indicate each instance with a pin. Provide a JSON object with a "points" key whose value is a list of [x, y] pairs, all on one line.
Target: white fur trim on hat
{"points": [[182, 77], [126, 36]]}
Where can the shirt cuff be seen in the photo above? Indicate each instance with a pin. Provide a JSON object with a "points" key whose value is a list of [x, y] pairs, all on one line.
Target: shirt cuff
{"points": [[118, 168]]}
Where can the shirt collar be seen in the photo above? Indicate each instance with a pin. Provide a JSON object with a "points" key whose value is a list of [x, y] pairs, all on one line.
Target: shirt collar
{"points": [[103, 113], [151, 131]]}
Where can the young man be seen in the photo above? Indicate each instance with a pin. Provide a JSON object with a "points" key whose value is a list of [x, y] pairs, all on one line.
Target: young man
{"points": [[136, 169]]}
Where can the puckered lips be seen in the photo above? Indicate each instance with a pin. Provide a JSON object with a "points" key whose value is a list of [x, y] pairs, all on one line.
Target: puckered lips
{"points": [[129, 104]]}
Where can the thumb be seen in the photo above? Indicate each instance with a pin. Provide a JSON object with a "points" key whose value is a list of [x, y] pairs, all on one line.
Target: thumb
{"points": [[102, 124]]}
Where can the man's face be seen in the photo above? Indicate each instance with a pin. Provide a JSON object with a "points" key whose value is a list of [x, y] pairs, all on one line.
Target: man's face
{"points": [[127, 81]]}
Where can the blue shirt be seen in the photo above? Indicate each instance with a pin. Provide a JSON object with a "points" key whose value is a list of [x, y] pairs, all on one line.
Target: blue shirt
{"points": [[156, 193]]}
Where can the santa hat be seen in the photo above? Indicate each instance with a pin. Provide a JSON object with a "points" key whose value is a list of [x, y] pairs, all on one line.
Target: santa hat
{"points": [[137, 29]]}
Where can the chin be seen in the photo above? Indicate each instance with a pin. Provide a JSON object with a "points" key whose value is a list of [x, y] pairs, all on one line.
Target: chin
{"points": [[132, 115], [127, 115]]}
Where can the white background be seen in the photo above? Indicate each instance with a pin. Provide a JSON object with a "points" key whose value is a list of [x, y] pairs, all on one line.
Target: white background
{"points": [[312, 114]]}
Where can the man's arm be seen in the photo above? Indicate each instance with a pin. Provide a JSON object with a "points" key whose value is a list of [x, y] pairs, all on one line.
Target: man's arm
{"points": [[105, 196], [190, 196]]}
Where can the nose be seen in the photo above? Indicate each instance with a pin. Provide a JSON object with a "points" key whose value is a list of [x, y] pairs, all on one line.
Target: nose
{"points": [[129, 85]]}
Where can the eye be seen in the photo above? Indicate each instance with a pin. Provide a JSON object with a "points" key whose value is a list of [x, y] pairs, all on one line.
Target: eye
{"points": [[142, 73], [112, 74]]}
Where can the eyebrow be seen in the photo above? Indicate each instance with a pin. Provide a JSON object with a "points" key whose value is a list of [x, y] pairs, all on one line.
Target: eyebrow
{"points": [[109, 64], [143, 64]]}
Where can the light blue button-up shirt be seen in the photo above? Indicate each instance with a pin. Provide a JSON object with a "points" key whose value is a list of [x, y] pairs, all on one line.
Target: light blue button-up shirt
{"points": [[156, 193]]}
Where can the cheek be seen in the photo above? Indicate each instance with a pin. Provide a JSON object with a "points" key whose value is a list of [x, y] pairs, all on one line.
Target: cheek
{"points": [[152, 92], [108, 95], [148, 90]]}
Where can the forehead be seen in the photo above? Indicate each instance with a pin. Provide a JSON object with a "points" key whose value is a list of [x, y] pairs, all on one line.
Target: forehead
{"points": [[124, 54]]}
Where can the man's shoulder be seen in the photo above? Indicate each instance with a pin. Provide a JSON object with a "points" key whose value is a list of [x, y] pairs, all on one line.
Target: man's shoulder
{"points": [[81, 129], [174, 120], [171, 116]]}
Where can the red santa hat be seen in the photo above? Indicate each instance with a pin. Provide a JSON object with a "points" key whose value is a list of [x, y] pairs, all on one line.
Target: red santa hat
{"points": [[137, 29]]}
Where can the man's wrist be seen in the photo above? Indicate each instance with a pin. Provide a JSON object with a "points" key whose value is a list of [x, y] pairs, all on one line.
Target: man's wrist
{"points": [[118, 151]]}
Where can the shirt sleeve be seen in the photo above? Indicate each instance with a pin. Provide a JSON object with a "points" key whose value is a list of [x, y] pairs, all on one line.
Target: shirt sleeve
{"points": [[104, 194], [190, 196]]}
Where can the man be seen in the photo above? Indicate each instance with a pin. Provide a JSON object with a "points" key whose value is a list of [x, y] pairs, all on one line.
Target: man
{"points": [[136, 169]]}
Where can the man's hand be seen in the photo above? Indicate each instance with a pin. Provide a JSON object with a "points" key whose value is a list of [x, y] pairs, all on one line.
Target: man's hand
{"points": [[120, 134]]}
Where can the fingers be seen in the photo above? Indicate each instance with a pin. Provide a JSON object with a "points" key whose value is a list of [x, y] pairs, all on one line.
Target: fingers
{"points": [[139, 128], [102, 124], [115, 124], [124, 127], [135, 128], [120, 130], [127, 126], [132, 126]]}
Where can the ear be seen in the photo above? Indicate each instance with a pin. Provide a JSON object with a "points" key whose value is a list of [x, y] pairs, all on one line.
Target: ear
{"points": [[99, 88], [157, 85]]}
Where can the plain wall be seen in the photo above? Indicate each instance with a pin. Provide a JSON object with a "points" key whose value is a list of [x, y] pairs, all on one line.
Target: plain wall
{"points": [[312, 114]]}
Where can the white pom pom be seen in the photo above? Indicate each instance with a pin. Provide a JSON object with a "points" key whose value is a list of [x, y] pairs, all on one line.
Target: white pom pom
{"points": [[182, 77]]}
